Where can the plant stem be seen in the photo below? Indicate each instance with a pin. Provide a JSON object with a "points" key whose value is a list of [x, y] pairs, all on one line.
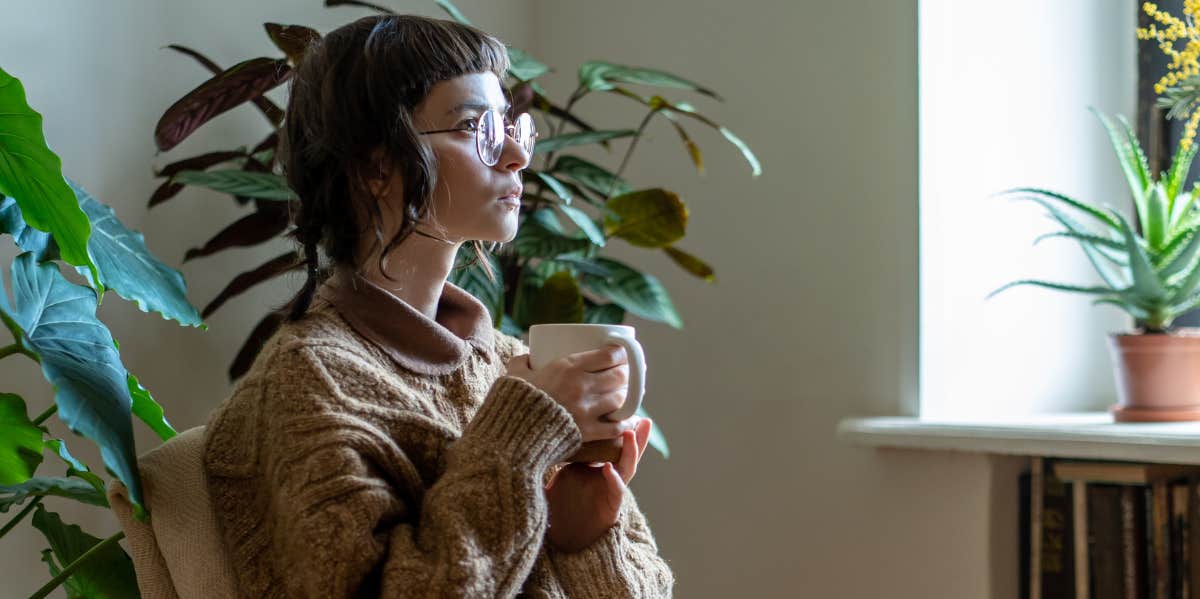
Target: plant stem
{"points": [[562, 122], [70, 569], [633, 144], [9, 350], [44, 415], [20, 516]]}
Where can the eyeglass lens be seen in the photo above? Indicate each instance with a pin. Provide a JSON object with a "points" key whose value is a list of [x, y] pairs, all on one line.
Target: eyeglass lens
{"points": [[489, 136]]}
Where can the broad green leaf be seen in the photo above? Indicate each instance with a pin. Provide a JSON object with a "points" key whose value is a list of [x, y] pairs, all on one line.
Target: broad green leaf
{"points": [[20, 441], [31, 174], [581, 265], [148, 411], [555, 185], [657, 439], [650, 218], [266, 186], [597, 75], [127, 266], [691, 263], [78, 356], [107, 574], [693, 150], [604, 314], [508, 326], [592, 176], [687, 110], [570, 140], [523, 66], [1130, 156], [57, 486], [1146, 283], [639, 293], [75, 467], [474, 280], [536, 239], [585, 224], [557, 300]]}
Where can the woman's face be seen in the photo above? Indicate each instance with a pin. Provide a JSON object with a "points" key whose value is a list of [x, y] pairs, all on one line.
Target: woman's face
{"points": [[471, 201]]}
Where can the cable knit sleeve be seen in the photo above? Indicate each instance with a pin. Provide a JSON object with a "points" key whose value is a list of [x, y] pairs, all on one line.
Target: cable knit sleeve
{"points": [[622, 563], [351, 514]]}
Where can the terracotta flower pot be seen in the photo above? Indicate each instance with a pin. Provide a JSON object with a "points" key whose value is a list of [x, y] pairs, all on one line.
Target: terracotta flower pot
{"points": [[1158, 376]]}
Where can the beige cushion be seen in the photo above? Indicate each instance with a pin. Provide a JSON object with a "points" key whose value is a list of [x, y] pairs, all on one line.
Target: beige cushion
{"points": [[178, 553]]}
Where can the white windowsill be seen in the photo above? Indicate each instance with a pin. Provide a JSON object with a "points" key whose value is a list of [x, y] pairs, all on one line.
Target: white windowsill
{"points": [[1087, 436]]}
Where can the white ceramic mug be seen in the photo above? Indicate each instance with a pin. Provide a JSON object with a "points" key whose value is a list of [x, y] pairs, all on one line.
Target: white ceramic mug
{"points": [[549, 342]]}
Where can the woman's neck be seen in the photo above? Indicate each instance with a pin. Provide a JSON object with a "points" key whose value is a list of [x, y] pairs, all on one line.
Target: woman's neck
{"points": [[415, 271]]}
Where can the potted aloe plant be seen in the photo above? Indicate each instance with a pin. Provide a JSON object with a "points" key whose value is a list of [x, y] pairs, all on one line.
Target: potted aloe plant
{"points": [[1153, 274]]}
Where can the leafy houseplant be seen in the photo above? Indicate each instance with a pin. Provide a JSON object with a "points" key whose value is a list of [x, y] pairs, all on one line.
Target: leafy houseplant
{"points": [[53, 323], [1153, 275], [552, 272]]}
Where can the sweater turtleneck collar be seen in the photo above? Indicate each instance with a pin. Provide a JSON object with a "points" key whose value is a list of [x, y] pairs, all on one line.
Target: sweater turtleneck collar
{"points": [[408, 337]]}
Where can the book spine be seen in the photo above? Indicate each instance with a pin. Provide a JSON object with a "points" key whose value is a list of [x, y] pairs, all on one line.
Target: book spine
{"points": [[1037, 484], [1180, 556], [1160, 510], [1106, 543], [1079, 534], [1057, 564], [1024, 547]]}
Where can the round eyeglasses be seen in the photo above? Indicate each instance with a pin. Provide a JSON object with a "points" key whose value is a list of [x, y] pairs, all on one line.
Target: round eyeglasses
{"points": [[489, 135]]}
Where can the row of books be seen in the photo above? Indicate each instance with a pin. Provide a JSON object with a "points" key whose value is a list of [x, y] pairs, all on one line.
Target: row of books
{"points": [[1109, 530]]}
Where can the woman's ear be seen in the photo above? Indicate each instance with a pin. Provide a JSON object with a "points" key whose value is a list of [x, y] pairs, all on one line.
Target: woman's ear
{"points": [[377, 173]]}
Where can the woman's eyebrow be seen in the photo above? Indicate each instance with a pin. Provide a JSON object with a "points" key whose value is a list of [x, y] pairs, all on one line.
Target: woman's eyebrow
{"points": [[480, 106]]}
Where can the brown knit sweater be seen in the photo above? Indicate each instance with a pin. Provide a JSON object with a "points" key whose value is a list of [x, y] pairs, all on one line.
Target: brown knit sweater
{"points": [[373, 452]]}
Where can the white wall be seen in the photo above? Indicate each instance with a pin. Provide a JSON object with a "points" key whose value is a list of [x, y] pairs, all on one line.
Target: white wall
{"points": [[1003, 106]]}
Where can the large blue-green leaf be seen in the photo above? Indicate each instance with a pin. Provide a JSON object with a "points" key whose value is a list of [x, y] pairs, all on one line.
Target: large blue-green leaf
{"points": [[107, 573], [126, 265], [20, 441], [638, 292], [557, 300], [538, 238], [686, 109], [604, 314], [32, 174], [523, 66], [71, 488], [123, 262], [58, 322], [585, 224], [75, 467], [555, 185]]}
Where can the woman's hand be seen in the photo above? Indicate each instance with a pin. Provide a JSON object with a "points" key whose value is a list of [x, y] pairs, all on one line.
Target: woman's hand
{"points": [[585, 499], [588, 384]]}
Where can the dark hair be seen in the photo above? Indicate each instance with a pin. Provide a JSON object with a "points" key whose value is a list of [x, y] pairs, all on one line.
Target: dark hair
{"points": [[355, 90]]}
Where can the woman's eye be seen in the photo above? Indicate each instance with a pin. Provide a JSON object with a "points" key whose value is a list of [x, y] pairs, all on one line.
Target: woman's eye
{"points": [[468, 125]]}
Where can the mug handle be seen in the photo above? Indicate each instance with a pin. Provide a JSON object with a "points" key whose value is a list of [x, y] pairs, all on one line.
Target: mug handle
{"points": [[637, 377]]}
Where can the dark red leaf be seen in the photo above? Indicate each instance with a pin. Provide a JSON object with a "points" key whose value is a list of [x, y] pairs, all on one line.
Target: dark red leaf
{"points": [[375, 7], [254, 344], [250, 278], [269, 109], [167, 189], [294, 40], [251, 229], [241, 82]]}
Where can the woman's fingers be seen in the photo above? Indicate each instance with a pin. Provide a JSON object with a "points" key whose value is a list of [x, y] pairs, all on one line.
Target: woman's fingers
{"points": [[643, 436], [599, 359], [627, 464]]}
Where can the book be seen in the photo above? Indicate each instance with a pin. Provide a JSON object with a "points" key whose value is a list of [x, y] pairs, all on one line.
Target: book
{"points": [[1057, 565], [1106, 544], [1136, 584], [1024, 526], [1179, 540], [1121, 473], [1079, 538], [1158, 509]]}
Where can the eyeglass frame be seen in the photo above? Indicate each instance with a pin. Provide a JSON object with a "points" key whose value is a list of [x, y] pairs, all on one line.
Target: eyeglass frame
{"points": [[510, 130]]}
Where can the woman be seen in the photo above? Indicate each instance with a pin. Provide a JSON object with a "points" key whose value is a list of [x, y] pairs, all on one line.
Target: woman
{"points": [[388, 442]]}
